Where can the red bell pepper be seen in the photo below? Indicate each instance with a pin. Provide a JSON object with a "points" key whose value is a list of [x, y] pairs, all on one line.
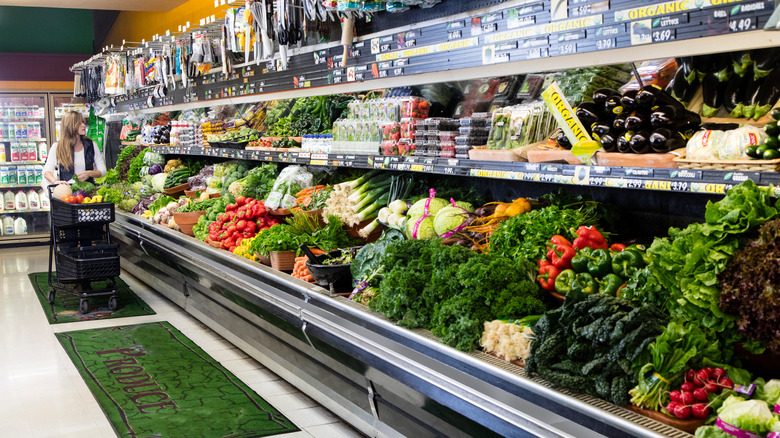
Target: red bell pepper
{"points": [[617, 247], [240, 200], [589, 237], [560, 240], [547, 276], [560, 256]]}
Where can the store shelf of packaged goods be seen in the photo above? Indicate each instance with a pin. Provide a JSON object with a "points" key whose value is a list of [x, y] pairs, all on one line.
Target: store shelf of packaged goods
{"points": [[21, 119], [18, 163], [640, 178], [40, 210], [381, 378], [24, 238], [18, 186]]}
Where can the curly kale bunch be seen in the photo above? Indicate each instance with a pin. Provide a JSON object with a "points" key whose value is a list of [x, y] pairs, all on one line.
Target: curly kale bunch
{"points": [[452, 291]]}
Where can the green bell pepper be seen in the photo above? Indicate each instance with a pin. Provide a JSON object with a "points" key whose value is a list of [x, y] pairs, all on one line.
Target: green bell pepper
{"points": [[609, 284], [585, 283], [580, 260], [564, 281], [641, 249], [596, 262], [626, 262]]}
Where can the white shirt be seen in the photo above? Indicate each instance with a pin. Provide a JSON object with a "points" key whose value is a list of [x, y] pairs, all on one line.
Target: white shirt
{"points": [[78, 164]]}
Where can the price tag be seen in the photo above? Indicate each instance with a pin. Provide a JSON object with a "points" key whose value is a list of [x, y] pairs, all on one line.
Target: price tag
{"points": [[679, 186], [664, 35], [606, 43], [686, 174], [567, 49], [742, 24]]}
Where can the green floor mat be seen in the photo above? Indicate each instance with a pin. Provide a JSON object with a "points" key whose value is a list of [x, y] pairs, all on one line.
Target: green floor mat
{"points": [[66, 306], [151, 380]]}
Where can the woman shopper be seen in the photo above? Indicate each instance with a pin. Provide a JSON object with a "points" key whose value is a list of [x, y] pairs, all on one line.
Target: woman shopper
{"points": [[74, 156]]}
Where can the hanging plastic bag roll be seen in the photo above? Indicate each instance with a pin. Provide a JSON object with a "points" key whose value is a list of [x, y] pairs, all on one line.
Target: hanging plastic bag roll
{"points": [[347, 34]]}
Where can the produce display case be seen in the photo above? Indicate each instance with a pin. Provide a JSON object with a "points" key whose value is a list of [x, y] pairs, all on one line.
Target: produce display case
{"points": [[377, 376]]}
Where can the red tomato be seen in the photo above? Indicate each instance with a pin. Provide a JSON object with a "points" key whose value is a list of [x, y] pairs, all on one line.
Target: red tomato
{"points": [[78, 199], [68, 199]]}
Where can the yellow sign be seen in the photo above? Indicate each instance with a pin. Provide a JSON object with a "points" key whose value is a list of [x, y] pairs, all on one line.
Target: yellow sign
{"points": [[669, 8], [426, 50], [583, 145], [545, 29]]}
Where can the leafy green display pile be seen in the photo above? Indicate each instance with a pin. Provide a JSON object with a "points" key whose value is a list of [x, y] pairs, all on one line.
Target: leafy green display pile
{"points": [[259, 181], [452, 291], [687, 264], [589, 345], [134, 172], [287, 237], [241, 135], [526, 235], [751, 287]]}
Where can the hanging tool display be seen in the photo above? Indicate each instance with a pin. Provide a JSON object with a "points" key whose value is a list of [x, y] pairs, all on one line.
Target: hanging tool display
{"points": [[347, 35]]}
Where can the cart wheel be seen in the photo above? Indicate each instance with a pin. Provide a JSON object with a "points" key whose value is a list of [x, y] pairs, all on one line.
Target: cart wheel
{"points": [[84, 306], [51, 297], [112, 303]]}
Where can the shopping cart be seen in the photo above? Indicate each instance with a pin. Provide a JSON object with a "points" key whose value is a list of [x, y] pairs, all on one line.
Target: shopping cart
{"points": [[82, 251]]}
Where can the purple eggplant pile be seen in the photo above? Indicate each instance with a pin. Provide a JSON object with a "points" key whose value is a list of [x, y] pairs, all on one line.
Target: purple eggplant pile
{"points": [[639, 121], [746, 84]]}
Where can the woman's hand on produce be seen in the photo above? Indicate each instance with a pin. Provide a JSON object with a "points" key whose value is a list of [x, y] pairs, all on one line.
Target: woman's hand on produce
{"points": [[82, 176]]}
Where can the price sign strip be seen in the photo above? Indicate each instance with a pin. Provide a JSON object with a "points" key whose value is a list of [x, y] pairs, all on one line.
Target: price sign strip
{"points": [[430, 48], [670, 180]]}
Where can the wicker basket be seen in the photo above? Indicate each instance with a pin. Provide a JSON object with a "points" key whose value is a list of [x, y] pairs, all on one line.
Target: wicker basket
{"points": [[186, 221], [283, 260], [263, 259], [734, 165]]}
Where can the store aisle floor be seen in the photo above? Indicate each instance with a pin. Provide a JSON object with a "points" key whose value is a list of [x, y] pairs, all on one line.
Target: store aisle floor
{"points": [[43, 395]]}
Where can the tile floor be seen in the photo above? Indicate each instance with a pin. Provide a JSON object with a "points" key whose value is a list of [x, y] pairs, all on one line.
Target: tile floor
{"points": [[42, 394]]}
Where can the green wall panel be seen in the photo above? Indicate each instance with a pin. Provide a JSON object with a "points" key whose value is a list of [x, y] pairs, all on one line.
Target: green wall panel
{"points": [[45, 30]]}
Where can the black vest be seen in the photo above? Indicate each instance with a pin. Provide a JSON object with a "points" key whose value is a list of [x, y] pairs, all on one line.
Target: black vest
{"points": [[89, 161]]}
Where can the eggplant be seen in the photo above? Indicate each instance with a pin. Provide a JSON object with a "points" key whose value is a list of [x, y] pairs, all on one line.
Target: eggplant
{"points": [[637, 120], [765, 61], [622, 143], [619, 124], [740, 62], [600, 96], [735, 91], [600, 129], [653, 96], [612, 105], [690, 91], [678, 84], [663, 140], [751, 97], [688, 72], [628, 101], [768, 95], [608, 142], [562, 140], [713, 97], [674, 117], [588, 113], [704, 64], [640, 142]]}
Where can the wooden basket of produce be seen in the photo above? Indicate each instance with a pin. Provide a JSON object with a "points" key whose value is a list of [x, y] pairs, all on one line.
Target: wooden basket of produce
{"points": [[177, 191], [186, 221], [689, 426], [282, 260], [194, 194], [263, 259], [746, 165], [617, 159], [214, 244]]}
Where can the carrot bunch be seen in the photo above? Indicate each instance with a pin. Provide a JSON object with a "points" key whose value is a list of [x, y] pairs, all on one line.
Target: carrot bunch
{"points": [[305, 196], [300, 270]]}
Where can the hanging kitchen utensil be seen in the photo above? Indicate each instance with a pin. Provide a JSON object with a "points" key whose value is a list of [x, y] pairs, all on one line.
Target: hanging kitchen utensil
{"points": [[281, 32], [347, 35]]}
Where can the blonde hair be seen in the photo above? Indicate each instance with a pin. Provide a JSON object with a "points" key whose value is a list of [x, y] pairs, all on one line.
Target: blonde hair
{"points": [[69, 137]]}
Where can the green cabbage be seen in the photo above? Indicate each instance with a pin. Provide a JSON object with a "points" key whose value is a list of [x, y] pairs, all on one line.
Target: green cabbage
{"points": [[418, 209], [448, 219], [465, 205], [425, 231]]}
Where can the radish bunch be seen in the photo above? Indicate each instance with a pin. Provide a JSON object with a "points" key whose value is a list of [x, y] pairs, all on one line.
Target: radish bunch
{"points": [[692, 399]]}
